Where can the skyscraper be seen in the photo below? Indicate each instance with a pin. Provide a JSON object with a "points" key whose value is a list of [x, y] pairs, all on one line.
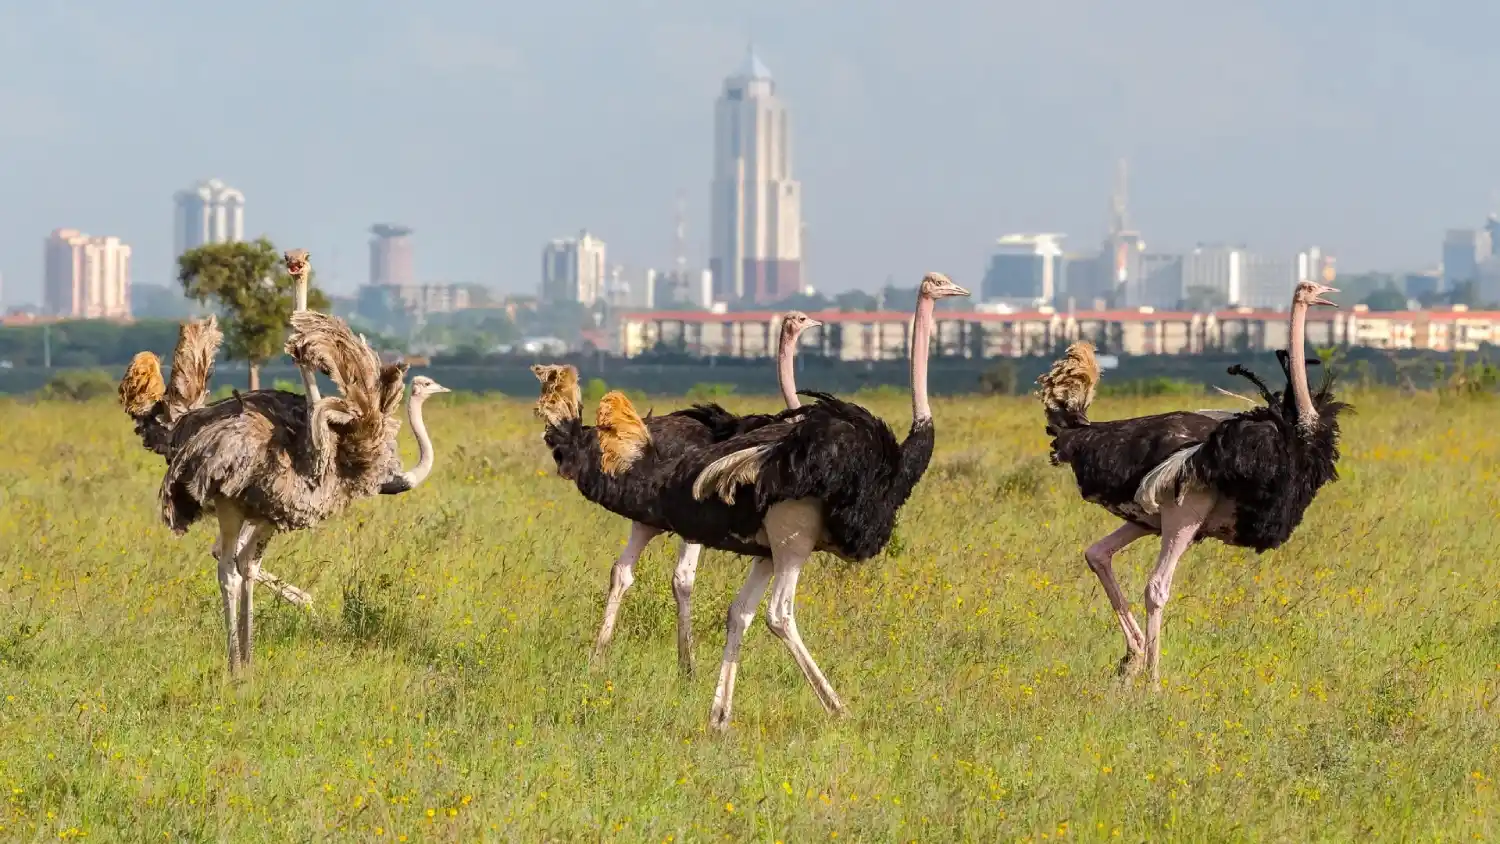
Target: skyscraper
{"points": [[86, 277], [208, 212], [390, 255], [573, 269], [755, 247]]}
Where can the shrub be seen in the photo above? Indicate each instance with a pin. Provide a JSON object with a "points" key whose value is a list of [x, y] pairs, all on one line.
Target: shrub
{"points": [[78, 385]]}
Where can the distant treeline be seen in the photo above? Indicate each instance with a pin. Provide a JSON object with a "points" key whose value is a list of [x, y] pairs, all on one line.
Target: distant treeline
{"points": [[948, 376]]}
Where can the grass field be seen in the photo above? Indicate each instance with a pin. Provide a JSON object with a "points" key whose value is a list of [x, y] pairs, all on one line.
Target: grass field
{"points": [[1345, 687]]}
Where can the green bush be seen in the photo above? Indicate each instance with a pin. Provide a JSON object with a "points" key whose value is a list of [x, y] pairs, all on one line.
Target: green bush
{"points": [[78, 385], [706, 391]]}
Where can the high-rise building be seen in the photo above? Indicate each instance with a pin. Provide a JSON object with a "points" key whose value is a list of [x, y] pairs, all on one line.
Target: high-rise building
{"points": [[208, 212], [755, 247], [1463, 249], [1213, 275], [573, 269], [390, 256], [86, 277], [1024, 270]]}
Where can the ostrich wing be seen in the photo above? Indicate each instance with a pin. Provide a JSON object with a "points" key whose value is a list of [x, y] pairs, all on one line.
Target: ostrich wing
{"points": [[1110, 459]]}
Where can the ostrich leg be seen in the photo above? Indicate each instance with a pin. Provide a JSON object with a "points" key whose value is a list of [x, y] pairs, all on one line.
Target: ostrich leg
{"points": [[248, 564], [285, 591], [741, 614], [229, 577], [1179, 524], [1100, 557], [682, 589], [620, 579], [793, 528]]}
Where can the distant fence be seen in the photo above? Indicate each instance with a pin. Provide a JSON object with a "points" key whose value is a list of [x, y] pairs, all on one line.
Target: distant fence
{"points": [[947, 376]]}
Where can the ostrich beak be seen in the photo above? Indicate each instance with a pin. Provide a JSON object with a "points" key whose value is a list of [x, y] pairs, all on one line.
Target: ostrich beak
{"points": [[439, 388], [953, 290], [811, 323], [1319, 300]]}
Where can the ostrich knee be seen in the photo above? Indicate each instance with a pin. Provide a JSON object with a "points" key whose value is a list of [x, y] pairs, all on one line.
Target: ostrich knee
{"points": [[1158, 590], [779, 619]]}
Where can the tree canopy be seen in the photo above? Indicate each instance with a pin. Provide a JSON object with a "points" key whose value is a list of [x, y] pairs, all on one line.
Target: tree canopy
{"points": [[250, 285]]}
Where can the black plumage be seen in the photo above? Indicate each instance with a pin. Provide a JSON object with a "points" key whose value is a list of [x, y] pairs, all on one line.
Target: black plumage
{"points": [[827, 476], [831, 450], [1246, 479]]}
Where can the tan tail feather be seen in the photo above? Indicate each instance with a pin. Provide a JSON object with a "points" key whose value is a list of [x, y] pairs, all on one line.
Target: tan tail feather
{"points": [[723, 476], [392, 383], [192, 366], [1069, 384], [623, 435], [325, 343], [142, 386], [561, 399]]}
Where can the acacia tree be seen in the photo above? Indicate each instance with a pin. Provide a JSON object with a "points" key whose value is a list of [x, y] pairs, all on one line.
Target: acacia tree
{"points": [[252, 288]]}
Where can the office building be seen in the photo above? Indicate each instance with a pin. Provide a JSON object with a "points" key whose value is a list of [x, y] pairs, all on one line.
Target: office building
{"points": [[86, 277], [391, 256], [1024, 270], [209, 212], [573, 270], [755, 246]]}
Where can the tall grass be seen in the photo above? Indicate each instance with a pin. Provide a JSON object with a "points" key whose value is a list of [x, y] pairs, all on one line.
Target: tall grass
{"points": [[1345, 687]]}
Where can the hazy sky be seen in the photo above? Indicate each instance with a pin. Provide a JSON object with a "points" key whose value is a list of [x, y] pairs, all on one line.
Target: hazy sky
{"points": [[921, 131]]}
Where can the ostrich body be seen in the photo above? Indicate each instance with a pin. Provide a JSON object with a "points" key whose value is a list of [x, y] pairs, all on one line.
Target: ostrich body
{"points": [[575, 446], [1245, 479], [260, 461], [828, 476]]}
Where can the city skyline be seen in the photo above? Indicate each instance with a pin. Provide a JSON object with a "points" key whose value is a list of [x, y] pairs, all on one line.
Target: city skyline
{"points": [[915, 159]]}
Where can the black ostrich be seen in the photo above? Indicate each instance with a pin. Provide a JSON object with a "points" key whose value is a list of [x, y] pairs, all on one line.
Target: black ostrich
{"points": [[574, 444], [1244, 479], [829, 476]]}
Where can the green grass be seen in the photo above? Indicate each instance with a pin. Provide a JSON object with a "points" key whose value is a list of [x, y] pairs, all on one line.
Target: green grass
{"points": [[1345, 687]]}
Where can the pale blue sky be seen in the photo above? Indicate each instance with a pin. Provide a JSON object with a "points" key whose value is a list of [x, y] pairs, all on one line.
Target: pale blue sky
{"points": [[921, 130]]}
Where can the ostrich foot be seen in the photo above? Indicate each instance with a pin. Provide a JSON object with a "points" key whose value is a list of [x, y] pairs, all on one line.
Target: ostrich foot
{"points": [[285, 591], [718, 716], [1131, 664]]}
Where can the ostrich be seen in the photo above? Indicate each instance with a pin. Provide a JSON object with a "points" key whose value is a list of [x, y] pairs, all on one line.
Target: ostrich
{"points": [[718, 424], [1244, 479], [692, 427], [829, 476], [261, 462]]}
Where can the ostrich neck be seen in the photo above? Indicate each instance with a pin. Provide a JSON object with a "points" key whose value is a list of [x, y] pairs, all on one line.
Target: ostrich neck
{"points": [[1307, 414], [786, 371], [424, 443], [921, 338], [309, 378]]}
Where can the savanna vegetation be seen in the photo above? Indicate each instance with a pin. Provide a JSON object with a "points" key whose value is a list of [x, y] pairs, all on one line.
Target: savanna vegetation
{"points": [[1345, 687]]}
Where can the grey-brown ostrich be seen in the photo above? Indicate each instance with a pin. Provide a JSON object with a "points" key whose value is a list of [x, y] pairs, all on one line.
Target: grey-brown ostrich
{"points": [[260, 461], [1244, 478], [718, 424], [829, 476]]}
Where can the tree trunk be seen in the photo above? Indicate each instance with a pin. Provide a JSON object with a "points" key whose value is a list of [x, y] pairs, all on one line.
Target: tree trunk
{"points": [[254, 376]]}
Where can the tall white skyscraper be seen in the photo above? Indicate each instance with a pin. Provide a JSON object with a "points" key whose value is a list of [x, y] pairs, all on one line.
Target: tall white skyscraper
{"points": [[573, 269], [86, 277], [755, 247], [208, 212]]}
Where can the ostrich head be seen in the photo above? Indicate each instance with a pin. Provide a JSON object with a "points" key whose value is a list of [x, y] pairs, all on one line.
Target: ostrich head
{"points": [[296, 262], [1311, 293], [623, 435], [422, 387], [793, 323], [937, 286]]}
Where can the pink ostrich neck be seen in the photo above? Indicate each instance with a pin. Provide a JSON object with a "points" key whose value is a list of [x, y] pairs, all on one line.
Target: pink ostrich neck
{"points": [[921, 338], [786, 373], [1307, 414]]}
